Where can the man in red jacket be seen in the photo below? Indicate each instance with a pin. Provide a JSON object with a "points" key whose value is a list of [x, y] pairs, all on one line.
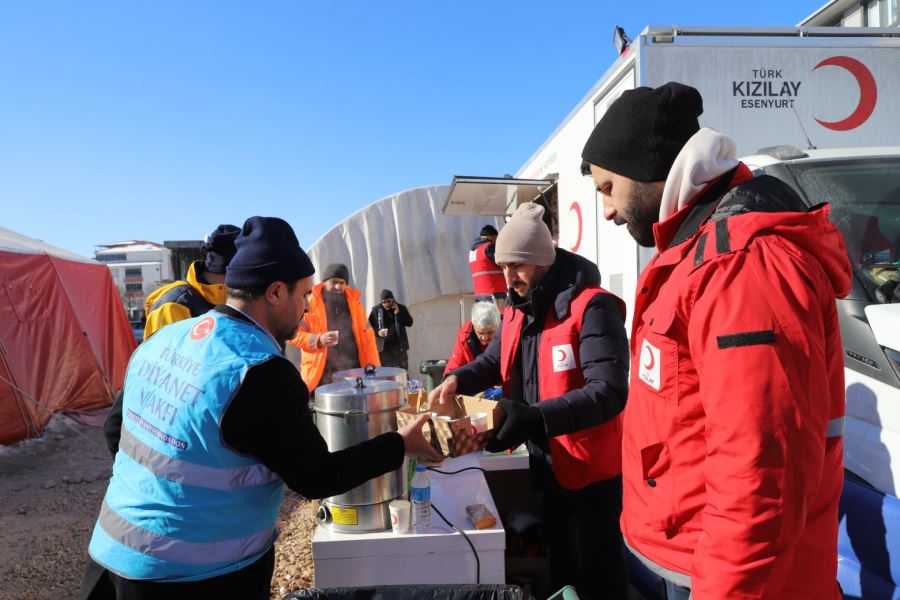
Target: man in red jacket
{"points": [[561, 353], [473, 338], [732, 455], [487, 277]]}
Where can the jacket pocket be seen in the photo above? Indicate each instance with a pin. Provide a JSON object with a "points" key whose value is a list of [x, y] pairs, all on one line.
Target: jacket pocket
{"points": [[657, 359], [659, 488]]}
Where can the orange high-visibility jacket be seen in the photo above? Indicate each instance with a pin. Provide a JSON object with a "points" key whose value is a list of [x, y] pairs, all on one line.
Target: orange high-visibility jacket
{"points": [[315, 323]]}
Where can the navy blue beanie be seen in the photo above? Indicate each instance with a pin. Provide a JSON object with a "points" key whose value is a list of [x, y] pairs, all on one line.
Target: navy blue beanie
{"points": [[219, 248], [267, 251]]}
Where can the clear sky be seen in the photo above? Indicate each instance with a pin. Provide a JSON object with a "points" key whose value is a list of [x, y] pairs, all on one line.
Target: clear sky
{"points": [[160, 119]]}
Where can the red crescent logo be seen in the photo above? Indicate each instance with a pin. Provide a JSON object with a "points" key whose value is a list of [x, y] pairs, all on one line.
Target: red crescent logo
{"points": [[868, 93], [575, 207], [563, 358], [649, 365], [202, 328]]}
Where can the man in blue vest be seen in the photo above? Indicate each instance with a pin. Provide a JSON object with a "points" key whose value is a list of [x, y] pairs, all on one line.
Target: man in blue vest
{"points": [[215, 423]]}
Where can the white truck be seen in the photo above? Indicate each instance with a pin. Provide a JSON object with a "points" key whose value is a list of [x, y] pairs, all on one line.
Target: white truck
{"points": [[775, 91]]}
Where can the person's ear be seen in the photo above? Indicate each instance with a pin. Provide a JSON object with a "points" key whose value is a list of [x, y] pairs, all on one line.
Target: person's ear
{"points": [[275, 292]]}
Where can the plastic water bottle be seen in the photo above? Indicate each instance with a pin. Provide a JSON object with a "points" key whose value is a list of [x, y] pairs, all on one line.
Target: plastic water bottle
{"points": [[421, 500]]}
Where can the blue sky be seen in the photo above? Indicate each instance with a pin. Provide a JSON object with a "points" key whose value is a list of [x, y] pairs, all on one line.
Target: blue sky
{"points": [[159, 120]]}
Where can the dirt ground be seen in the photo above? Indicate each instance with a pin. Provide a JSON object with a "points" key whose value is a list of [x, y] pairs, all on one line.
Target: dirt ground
{"points": [[50, 493]]}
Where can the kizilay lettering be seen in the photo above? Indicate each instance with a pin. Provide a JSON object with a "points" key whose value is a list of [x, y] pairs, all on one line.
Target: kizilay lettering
{"points": [[171, 374], [766, 89]]}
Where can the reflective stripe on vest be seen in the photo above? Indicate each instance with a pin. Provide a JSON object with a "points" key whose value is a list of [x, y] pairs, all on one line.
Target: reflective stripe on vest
{"points": [[835, 427], [181, 505], [163, 547], [185, 473]]}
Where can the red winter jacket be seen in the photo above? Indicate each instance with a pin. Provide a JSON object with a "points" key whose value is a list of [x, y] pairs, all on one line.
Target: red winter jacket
{"points": [[464, 351], [732, 455]]}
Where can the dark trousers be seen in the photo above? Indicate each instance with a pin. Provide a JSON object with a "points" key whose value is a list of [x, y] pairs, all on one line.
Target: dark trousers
{"points": [[395, 358], [253, 582], [584, 539]]}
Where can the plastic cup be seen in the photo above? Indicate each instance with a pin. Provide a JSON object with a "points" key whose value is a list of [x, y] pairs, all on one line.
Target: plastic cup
{"points": [[479, 421], [400, 510]]}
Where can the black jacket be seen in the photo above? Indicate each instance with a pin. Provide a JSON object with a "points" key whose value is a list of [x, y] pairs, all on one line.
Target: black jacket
{"points": [[603, 350], [269, 419], [396, 340]]}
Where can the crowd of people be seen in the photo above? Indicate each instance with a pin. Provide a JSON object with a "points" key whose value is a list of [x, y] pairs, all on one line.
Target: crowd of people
{"points": [[706, 441]]}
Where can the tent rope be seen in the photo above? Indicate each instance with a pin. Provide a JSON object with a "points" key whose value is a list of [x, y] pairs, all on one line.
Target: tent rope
{"points": [[27, 396], [31, 427]]}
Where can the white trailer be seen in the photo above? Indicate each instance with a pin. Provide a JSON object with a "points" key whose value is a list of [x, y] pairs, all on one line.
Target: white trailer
{"points": [[838, 87], [766, 87]]}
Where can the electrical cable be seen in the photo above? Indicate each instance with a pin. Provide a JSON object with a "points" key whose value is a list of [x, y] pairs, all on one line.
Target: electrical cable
{"points": [[436, 470], [466, 537]]}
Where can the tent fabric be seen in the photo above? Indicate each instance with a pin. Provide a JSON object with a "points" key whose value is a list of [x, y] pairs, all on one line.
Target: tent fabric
{"points": [[65, 339], [404, 243]]}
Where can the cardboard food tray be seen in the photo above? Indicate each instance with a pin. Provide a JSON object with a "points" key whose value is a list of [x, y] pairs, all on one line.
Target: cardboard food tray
{"points": [[456, 437]]}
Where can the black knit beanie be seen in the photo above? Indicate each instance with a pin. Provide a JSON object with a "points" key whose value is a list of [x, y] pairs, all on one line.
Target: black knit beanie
{"points": [[219, 248], [336, 270], [387, 294], [267, 251], [644, 130]]}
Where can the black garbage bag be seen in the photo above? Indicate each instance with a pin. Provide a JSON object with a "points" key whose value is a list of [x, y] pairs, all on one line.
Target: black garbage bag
{"points": [[412, 592]]}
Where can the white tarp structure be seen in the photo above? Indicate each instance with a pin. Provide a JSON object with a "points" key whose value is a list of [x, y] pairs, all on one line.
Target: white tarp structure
{"points": [[404, 243], [12, 241]]}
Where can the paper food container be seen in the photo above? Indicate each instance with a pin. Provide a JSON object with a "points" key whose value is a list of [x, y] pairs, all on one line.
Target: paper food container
{"points": [[454, 436]]}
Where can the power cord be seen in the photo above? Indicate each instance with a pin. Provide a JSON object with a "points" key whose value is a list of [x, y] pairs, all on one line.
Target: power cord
{"points": [[460, 531], [466, 537], [436, 470]]}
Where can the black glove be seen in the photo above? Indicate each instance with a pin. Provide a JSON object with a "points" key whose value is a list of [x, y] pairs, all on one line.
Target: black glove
{"points": [[522, 422]]}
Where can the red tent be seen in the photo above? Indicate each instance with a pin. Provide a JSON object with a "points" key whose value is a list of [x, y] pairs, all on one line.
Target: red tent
{"points": [[64, 337]]}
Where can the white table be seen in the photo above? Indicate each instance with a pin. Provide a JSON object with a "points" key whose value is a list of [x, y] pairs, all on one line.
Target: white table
{"points": [[439, 557]]}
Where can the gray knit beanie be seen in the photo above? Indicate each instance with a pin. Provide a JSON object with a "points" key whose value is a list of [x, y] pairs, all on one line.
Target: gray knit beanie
{"points": [[525, 239]]}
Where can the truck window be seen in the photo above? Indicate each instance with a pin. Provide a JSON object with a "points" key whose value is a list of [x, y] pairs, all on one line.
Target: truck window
{"points": [[864, 194]]}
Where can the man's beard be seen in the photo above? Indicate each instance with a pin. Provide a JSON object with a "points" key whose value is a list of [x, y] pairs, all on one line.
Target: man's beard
{"points": [[283, 334], [641, 212]]}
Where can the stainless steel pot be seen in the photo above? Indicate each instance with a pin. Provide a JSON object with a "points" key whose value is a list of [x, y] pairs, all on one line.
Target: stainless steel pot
{"points": [[370, 372], [348, 413]]}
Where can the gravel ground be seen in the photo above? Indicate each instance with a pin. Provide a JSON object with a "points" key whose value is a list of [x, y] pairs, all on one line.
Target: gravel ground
{"points": [[50, 493]]}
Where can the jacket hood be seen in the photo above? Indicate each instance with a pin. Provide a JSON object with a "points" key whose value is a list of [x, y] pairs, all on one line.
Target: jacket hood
{"points": [[765, 205], [812, 231]]}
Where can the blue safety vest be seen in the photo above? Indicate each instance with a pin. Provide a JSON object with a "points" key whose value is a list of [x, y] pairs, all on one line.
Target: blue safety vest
{"points": [[181, 506]]}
